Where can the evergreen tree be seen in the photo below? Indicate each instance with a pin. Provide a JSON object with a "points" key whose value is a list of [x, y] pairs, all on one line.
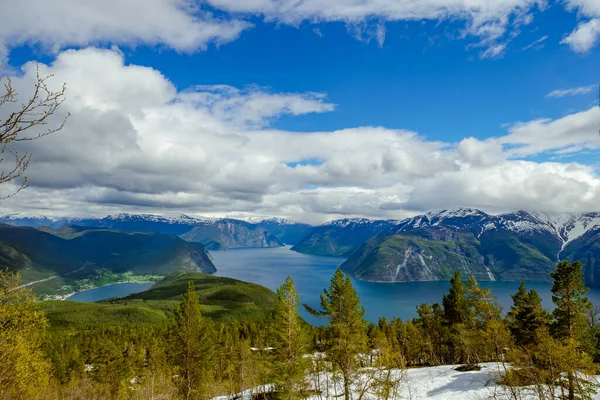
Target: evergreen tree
{"points": [[290, 344], [568, 294], [193, 346], [24, 372], [483, 306], [455, 305], [526, 315], [340, 305]]}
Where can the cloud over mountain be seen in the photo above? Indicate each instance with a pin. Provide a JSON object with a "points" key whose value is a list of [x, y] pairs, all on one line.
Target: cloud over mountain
{"points": [[135, 142]]}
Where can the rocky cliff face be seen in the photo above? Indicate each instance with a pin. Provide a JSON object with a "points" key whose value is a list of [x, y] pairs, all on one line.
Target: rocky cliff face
{"points": [[341, 237], [230, 234], [512, 246]]}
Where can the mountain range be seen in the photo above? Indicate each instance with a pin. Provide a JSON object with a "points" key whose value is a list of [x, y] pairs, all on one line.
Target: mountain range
{"points": [[510, 247], [214, 233]]}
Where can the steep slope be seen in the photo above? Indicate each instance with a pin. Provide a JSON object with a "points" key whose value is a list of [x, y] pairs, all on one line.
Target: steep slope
{"points": [[341, 237], [586, 249], [230, 234], [287, 231], [39, 255], [513, 246], [424, 254]]}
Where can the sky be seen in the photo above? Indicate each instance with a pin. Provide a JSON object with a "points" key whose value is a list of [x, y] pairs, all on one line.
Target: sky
{"points": [[312, 110]]}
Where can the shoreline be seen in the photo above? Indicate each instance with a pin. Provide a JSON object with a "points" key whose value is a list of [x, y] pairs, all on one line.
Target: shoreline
{"points": [[65, 297]]}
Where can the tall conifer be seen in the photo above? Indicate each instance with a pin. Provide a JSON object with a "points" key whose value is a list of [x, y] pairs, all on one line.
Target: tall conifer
{"points": [[340, 305], [290, 345], [193, 345]]}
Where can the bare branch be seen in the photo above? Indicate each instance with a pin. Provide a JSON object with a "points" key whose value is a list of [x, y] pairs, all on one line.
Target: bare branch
{"points": [[24, 124]]}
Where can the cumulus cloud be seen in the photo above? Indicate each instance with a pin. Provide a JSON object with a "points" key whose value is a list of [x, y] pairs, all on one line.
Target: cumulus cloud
{"points": [[584, 37], [178, 24], [571, 133], [136, 143], [572, 91], [587, 33]]}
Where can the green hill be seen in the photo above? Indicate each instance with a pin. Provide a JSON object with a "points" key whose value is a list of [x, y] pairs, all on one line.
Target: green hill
{"points": [[79, 255], [221, 299]]}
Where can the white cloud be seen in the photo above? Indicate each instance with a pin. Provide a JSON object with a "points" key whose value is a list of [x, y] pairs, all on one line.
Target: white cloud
{"points": [[487, 20], [589, 8], [572, 91], [189, 25], [136, 143], [178, 24], [538, 44], [573, 132], [512, 185], [584, 37], [496, 51]]}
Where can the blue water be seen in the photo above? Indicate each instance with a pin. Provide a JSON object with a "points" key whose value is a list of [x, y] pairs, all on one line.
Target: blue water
{"points": [[311, 274], [106, 292]]}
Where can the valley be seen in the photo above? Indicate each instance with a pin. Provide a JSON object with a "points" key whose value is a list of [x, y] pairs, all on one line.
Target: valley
{"points": [[517, 246]]}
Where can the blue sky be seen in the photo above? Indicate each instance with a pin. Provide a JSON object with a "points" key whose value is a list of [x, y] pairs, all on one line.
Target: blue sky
{"points": [[432, 81]]}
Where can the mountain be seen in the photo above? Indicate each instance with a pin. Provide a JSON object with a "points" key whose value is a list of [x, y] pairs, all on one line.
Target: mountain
{"points": [[40, 255], [341, 237], [34, 221], [216, 233], [229, 234], [287, 231], [511, 246]]}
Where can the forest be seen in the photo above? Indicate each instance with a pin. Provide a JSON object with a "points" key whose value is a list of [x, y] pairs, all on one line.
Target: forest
{"points": [[279, 356]]}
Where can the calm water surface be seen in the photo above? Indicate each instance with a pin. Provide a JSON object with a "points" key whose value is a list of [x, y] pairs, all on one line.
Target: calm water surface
{"points": [[311, 274], [108, 291]]}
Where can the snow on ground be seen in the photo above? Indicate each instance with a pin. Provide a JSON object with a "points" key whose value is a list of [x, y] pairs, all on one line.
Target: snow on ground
{"points": [[436, 383]]}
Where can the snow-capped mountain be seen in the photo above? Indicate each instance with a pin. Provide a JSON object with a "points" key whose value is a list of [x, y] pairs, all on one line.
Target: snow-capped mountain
{"points": [[271, 220], [511, 246], [564, 227], [32, 220], [215, 233]]}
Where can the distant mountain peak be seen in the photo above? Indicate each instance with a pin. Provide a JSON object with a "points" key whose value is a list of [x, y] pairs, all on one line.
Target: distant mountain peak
{"points": [[273, 220]]}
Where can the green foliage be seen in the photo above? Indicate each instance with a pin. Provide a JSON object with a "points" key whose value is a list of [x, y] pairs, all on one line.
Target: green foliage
{"points": [[341, 307], [456, 308], [568, 294], [192, 345], [39, 255], [24, 373], [290, 343], [526, 315]]}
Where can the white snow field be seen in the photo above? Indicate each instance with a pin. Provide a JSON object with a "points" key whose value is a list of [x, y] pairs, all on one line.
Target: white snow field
{"points": [[437, 383]]}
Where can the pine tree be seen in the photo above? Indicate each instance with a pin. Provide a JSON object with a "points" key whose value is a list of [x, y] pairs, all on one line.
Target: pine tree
{"points": [[193, 345], [483, 306], [290, 343], [24, 372], [519, 299], [526, 315], [340, 305], [568, 294], [455, 305]]}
